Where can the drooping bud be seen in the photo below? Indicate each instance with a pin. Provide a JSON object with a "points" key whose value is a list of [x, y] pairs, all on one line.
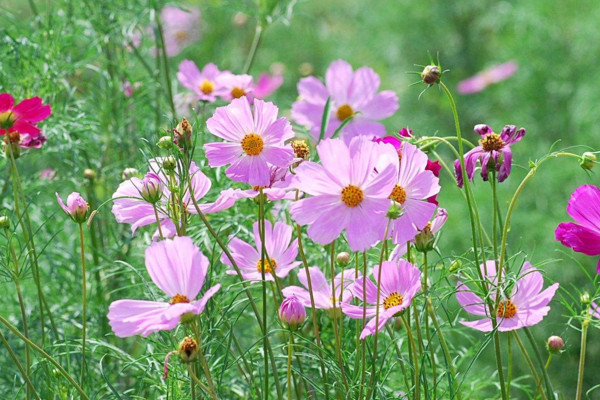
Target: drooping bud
{"points": [[588, 160], [555, 344], [301, 149], [292, 312], [188, 349], [431, 74], [129, 173], [76, 207], [151, 189], [89, 174], [343, 259], [169, 163], [424, 239], [165, 142], [4, 222]]}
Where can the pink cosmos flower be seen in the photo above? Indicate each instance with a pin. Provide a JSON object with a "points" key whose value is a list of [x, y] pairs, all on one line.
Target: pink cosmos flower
{"points": [[352, 93], [400, 282], [47, 174], [279, 257], [595, 310], [278, 189], [254, 141], [322, 289], [425, 238], [346, 192], [205, 84], [487, 77], [583, 235], [526, 306], [266, 85], [413, 187], [76, 207], [493, 152], [23, 117], [180, 28], [129, 206], [236, 86], [178, 268]]}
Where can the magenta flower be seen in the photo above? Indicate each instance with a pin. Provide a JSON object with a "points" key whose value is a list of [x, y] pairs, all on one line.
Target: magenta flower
{"points": [[583, 235], [292, 312], [400, 282], [346, 192], [352, 94], [254, 141], [23, 117], [595, 310], [178, 268], [526, 306], [236, 86], [322, 292], [180, 28], [487, 77], [279, 257], [76, 207], [204, 84], [129, 206], [266, 85], [493, 152]]}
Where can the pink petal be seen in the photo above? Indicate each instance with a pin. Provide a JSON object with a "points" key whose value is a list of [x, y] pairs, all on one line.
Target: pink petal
{"points": [[6, 102], [222, 153], [365, 83], [584, 206], [382, 105], [471, 303], [252, 170], [338, 80], [313, 91]]}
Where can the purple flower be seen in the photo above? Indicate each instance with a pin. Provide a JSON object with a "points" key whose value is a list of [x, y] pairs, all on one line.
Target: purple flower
{"points": [[527, 304], [322, 291], [400, 282], [204, 84], [353, 93], [493, 152], [583, 236], [254, 141], [76, 207], [487, 77], [180, 28], [346, 192], [178, 268], [281, 251], [292, 312]]}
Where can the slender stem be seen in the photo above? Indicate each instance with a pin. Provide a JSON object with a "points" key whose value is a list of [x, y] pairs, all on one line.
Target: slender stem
{"points": [[538, 356], [510, 365], [364, 319], [539, 382], [160, 232], [165, 59], [584, 330], [336, 333], [427, 330], [84, 304], [199, 382], [24, 374], [400, 357], [205, 367], [255, 43], [289, 366], [261, 232], [46, 356], [528, 360], [413, 356]]}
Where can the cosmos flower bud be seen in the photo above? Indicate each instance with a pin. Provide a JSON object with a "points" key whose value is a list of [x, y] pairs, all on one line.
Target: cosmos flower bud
{"points": [[151, 190], [424, 240], [129, 173], [165, 142], [455, 265], [76, 207], [292, 312], [555, 344], [585, 299], [183, 133], [395, 211], [89, 174], [301, 149], [169, 163], [188, 349], [343, 259], [431, 74], [4, 222], [587, 160]]}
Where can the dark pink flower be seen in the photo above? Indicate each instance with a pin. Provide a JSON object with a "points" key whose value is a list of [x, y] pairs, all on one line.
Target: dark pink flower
{"points": [[493, 152], [292, 312], [487, 77], [583, 235], [23, 117]]}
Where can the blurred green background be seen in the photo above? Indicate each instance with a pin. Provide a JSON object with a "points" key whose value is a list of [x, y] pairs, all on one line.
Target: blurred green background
{"points": [[73, 56]]}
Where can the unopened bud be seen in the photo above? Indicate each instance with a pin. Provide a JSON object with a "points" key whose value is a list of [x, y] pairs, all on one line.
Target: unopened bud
{"points": [[431, 74], [183, 133], [151, 190], [587, 160], [292, 312], [455, 265], [76, 207], [89, 174], [169, 163], [129, 173], [165, 142], [188, 349], [343, 259], [585, 299], [424, 239], [4, 222], [555, 344], [301, 149], [395, 211]]}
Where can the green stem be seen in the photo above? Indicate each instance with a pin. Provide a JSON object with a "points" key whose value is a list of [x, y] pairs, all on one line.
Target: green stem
{"points": [[255, 43], [261, 232], [24, 374], [205, 367], [289, 367], [199, 382], [165, 58], [160, 232], [46, 356], [528, 360], [538, 356], [413, 356], [584, 329], [84, 303], [510, 366], [338, 343]]}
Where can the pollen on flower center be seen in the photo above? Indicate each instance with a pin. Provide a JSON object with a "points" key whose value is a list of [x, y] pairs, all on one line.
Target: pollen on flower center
{"points": [[207, 87], [507, 309], [252, 144], [398, 194], [7, 119], [181, 36], [270, 266], [393, 300], [352, 195], [179, 298], [237, 92], [344, 112], [491, 142]]}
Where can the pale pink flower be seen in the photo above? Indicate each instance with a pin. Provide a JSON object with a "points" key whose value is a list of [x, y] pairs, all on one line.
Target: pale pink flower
{"points": [[236, 86], [483, 79], [595, 310], [266, 85], [205, 84], [180, 28]]}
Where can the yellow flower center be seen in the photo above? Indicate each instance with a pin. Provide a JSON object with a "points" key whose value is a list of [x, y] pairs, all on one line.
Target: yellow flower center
{"points": [[398, 194], [393, 300], [179, 298], [252, 144], [207, 87], [352, 195], [181, 36], [491, 142], [7, 119], [344, 112], [237, 92], [269, 266], [301, 149], [507, 309]]}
